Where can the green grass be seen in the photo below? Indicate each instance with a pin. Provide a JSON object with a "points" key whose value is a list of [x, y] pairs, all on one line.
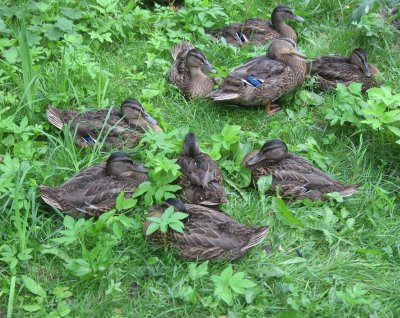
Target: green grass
{"points": [[318, 270]]}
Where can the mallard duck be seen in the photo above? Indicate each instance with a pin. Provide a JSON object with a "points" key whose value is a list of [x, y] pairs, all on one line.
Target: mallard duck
{"points": [[95, 189], [262, 80], [293, 175], [201, 178], [260, 31], [208, 234], [189, 71], [334, 69], [123, 128]]}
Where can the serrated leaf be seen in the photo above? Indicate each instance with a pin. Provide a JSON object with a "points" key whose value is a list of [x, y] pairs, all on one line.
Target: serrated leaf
{"points": [[64, 24], [264, 183], [72, 13], [33, 286]]}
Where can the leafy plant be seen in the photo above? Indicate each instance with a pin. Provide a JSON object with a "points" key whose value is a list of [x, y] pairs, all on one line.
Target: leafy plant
{"points": [[228, 285], [169, 219]]}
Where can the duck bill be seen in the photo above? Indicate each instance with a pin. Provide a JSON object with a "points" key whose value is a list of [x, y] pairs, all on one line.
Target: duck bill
{"points": [[150, 119], [366, 70], [295, 52], [209, 67], [254, 160], [141, 168], [297, 18]]}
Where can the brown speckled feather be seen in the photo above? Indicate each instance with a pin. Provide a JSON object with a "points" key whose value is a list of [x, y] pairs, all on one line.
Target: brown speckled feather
{"points": [[191, 82], [201, 180], [331, 70], [90, 192], [210, 234], [256, 31], [297, 178]]}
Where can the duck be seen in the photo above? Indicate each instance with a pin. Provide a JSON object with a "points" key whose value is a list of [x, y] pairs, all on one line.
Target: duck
{"points": [[260, 31], [201, 179], [333, 69], [189, 71], [295, 177], [118, 128], [208, 234], [95, 189], [263, 79]]}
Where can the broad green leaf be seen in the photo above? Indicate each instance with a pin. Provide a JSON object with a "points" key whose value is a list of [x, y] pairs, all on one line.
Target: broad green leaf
{"points": [[142, 188], [72, 13], [178, 227], [152, 228], [264, 183], [33, 286], [78, 267], [284, 214], [64, 24], [33, 307]]}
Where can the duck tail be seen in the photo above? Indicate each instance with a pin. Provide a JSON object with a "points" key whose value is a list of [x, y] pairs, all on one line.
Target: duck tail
{"points": [[54, 116], [48, 196], [349, 190], [218, 96], [184, 46], [258, 236]]}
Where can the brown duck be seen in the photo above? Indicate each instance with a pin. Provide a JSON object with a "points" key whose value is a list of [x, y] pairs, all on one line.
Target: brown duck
{"points": [[118, 128], [262, 80], [260, 31], [201, 178], [334, 69], [294, 176], [95, 189], [208, 234], [189, 71]]}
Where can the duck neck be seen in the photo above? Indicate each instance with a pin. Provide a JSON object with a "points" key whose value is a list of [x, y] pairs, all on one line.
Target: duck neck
{"points": [[285, 30], [298, 66]]}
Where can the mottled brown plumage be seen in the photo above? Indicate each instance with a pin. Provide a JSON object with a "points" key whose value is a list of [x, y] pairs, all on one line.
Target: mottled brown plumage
{"points": [[260, 31], [278, 73], [208, 234], [295, 177], [189, 71], [95, 189], [119, 128], [334, 69], [201, 179]]}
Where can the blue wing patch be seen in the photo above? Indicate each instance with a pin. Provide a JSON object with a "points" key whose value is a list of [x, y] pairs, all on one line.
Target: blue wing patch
{"points": [[241, 37], [254, 81], [89, 139]]}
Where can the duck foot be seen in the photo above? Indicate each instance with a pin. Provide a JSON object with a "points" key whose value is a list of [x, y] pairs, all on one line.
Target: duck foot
{"points": [[272, 108]]}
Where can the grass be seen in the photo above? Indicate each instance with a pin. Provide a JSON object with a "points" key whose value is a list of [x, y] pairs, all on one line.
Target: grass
{"points": [[344, 263]]}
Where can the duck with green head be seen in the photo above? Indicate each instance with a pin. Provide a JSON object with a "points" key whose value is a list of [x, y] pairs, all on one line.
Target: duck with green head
{"points": [[295, 177]]}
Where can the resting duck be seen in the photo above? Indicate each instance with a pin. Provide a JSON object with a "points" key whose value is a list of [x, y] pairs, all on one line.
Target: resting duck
{"points": [[201, 178], [260, 31], [262, 80], [294, 176], [333, 69], [189, 71], [95, 189], [123, 128], [208, 234]]}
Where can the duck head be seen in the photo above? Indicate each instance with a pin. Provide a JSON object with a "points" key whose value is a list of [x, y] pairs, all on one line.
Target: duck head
{"points": [[360, 58], [283, 48], [135, 113], [195, 59], [120, 164], [190, 146], [272, 150], [282, 13]]}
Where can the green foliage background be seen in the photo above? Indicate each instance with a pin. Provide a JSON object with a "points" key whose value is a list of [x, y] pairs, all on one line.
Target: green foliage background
{"points": [[332, 259]]}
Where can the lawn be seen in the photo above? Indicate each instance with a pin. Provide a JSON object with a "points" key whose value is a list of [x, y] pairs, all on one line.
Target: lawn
{"points": [[337, 258]]}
